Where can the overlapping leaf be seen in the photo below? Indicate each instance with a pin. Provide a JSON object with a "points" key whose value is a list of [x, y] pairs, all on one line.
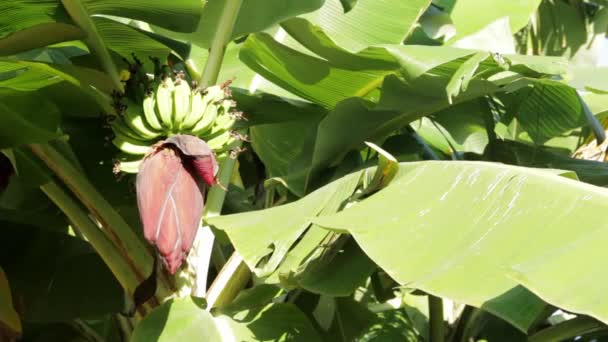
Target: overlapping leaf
{"points": [[183, 318], [256, 236], [482, 220]]}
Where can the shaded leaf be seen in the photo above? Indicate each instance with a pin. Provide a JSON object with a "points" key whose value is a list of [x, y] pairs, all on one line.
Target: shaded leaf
{"points": [[126, 41], [338, 276], [536, 156], [18, 130], [458, 128], [177, 15], [9, 319], [348, 4], [56, 276], [276, 322], [30, 24], [548, 110]]}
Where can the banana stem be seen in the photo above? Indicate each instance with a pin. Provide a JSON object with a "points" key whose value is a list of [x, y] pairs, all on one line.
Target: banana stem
{"points": [[104, 247], [234, 274], [113, 225], [228, 283], [80, 15], [436, 325], [594, 123], [219, 42]]}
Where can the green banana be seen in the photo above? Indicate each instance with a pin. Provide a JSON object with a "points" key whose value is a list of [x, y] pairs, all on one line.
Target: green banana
{"points": [[128, 163], [133, 117], [181, 102], [119, 125], [206, 122], [164, 102], [221, 142], [222, 123], [149, 105], [200, 105], [129, 144], [197, 109], [131, 166]]}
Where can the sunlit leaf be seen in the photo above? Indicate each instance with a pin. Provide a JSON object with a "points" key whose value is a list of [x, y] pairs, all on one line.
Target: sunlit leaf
{"points": [[492, 208]]}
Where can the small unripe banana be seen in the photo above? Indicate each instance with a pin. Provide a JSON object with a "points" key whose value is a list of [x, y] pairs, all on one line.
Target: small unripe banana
{"points": [[197, 109], [118, 125], [181, 102], [153, 120], [221, 142], [131, 166], [206, 122], [164, 102], [130, 145], [134, 118], [222, 123]]}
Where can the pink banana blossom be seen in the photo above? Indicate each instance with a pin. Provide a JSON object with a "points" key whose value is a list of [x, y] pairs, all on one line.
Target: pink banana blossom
{"points": [[171, 185]]}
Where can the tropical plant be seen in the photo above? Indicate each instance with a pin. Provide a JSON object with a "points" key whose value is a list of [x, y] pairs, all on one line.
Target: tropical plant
{"points": [[370, 170]]}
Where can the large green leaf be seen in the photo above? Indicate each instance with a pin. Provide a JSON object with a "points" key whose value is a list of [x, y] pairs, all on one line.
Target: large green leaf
{"points": [[486, 12], [340, 74], [90, 84], [340, 275], [561, 28], [89, 80], [318, 31], [482, 220], [31, 24], [458, 128], [256, 236], [254, 16], [127, 41], [369, 23], [177, 319], [547, 110], [279, 129], [400, 104], [311, 78], [313, 38], [177, 15]]}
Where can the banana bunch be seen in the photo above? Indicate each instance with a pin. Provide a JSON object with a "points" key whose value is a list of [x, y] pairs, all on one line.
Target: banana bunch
{"points": [[174, 108]]}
